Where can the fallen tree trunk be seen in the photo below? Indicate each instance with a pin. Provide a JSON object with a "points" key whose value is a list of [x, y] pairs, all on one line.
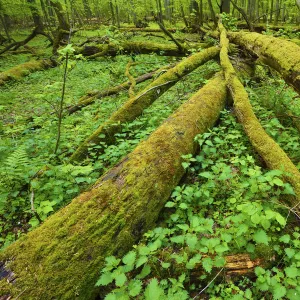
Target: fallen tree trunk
{"points": [[279, 54], [268, 149], [132, 29], [126, 47], [25, 69], [91, 97], [62, 258], [135, 106]]}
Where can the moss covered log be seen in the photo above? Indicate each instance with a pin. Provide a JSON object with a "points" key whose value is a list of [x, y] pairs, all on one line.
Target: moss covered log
{"points": [[134, 106], [24, 69], [268, 149], [92, 96], [126, 47], [282, 55], [62, 258]]}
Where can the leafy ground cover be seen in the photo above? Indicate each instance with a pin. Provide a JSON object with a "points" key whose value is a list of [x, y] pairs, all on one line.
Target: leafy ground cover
{"points": [[228, 203]]}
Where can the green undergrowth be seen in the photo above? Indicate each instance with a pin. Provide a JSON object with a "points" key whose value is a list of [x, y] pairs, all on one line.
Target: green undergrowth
{"points": [[227, 204], [278, 108], [27, 145]]}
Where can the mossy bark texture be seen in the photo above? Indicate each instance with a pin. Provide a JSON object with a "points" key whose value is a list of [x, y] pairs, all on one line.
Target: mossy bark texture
{"points": [[24, 69], [282, 55], [134, 106], [268, 149], [62, 258], [126, 47]]}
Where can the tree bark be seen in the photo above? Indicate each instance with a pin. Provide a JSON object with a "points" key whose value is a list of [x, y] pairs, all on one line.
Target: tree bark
{"points": [[268, 149], [25, 69], [61, 259], [134, 107], [279, 54], [112, 49]]}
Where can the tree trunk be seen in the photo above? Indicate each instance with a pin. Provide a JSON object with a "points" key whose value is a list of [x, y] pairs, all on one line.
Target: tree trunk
{"points": [[225, 6], [25, 69], [279, 54], [134, 107], [212, 13], [61, 259], [268, 149], [131, 47], [63, 30]]}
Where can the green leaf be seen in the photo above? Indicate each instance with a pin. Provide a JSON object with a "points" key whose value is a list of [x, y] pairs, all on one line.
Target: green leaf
{"points": [[289, 252], [260, 237], [219, 262], [141, 260], [278, 291], [145, 272], [153, 291], [259, 271], [112, 261], [120, 279], [221, 248], [170, 204], [285, 238], [111, 296], [134, 287], [129, 258], [207, 264], [179, 239], [293, 294], [104, 279], [280, 219], [278, 181], [183, 206], [165, 265], [291, 272], [207, 175]]}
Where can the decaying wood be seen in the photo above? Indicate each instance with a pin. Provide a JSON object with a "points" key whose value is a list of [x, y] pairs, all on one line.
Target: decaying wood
{"points": [[25, 69], [134, 106], [279, 54], [62, 258], [269, 150], [126, 47]]}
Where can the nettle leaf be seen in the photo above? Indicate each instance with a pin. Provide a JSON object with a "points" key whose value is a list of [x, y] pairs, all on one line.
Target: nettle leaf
{"points": [[134, 287], [285, 238], [207, 264], [120, 279], [278, 291], [104, 279], [261, 237], [165, 265], [278, 181], [129, 258], [141, 260], [153, 290], [219, 262], [170, 204], [291, 272], [145, 272], [280, 219], [289, 252], [179, 239], [112, 261]]}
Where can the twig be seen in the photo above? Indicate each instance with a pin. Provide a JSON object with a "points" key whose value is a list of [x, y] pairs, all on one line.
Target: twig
{"points": [[209, 283]]}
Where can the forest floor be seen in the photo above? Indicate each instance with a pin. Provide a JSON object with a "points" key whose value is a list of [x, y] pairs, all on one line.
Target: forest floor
{"points": [[227, 203]]}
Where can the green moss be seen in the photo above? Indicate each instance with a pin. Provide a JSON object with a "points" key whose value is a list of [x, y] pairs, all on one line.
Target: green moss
{"points": [[280, 54], [24, 69], [62, 258], [134, 106], [268, 149]]}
